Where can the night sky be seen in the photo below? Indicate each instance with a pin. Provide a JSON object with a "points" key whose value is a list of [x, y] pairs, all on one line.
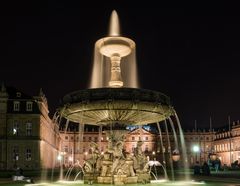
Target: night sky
{"points": [[189, 52]]}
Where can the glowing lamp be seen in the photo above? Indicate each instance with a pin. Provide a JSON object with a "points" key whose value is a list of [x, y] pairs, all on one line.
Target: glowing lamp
{"points": [[59, 157], [196, 148], [175, 155], [213, 156]]}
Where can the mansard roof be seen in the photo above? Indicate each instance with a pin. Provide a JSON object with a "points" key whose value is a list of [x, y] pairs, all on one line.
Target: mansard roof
{"points": [[140, 131], [16, 94]]}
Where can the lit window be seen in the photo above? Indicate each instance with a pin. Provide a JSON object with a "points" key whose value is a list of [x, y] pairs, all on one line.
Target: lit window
{"points": [[16, 106], [28, 129], [29, 106], [28, 154], [15, 128], [15, 153]]}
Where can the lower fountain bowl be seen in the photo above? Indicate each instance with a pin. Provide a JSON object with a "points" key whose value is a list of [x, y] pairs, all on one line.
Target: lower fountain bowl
{"points": [[103, 106]]}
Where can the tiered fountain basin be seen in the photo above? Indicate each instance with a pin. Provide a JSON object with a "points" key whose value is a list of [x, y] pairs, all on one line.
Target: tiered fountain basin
{"points": [[103, 106]]}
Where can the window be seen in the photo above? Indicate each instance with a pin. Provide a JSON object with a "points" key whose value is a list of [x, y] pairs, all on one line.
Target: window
{"points": [[146, 138], [95, 139], [28, 129], [146, 148], [15, 128], [90, 138], [66, 149], [29, 106], [133, 148], [28, 154], [15, 153], [71, 137], [66, 137], [133, 138], [16, 106]]}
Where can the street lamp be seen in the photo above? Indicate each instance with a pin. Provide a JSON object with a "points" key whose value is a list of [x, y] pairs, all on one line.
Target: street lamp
{"points": [[59, 157], [153, 153], [212, 156], [196, 149], [175, 155]]}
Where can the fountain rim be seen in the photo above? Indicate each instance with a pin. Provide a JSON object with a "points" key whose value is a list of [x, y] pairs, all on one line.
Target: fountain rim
{"points": [[111, 40], [147, 106], [111, 93]]}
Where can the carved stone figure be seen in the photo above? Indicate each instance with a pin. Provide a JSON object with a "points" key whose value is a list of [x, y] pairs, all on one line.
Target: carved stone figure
{"points": [[92, 164], [140, 159]]}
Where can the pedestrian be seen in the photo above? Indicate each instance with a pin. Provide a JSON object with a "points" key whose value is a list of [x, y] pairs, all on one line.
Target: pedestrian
{"points": [[197, 168], [205, 169]]}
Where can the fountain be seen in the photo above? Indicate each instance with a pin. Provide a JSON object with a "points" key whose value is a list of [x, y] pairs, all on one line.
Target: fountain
{"points": [[114, 102]]}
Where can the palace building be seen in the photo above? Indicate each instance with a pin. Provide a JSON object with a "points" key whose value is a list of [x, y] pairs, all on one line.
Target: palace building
{"points": [[30, 139]]}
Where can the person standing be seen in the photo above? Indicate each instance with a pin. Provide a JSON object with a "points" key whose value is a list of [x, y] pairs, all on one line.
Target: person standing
{"points": [[197, 168]]}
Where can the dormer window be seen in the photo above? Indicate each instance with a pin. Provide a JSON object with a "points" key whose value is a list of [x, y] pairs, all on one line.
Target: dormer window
{"points": [[16, 106], [18, 94], [29, 106]]}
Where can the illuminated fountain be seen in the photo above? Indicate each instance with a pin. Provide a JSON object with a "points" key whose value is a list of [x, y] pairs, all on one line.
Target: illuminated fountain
{"points": [[114, 102]]}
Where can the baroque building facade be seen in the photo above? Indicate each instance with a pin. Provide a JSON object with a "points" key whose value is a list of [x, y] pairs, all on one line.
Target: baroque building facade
{"points": [[28, 137], [205, 142]]}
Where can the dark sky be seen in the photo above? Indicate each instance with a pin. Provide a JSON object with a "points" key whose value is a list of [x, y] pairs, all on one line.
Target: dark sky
{"points": [[191, 52]]}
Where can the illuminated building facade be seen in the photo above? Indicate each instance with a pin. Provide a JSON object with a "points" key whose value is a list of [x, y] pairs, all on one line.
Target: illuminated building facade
{"points": [[206, 141], [227, 144], [28, 138]]}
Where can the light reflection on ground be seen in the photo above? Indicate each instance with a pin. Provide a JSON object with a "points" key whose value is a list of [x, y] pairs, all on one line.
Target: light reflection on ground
{"points": [[163, 183]]}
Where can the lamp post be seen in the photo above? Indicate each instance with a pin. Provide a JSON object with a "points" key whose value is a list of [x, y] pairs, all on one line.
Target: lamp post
{"points": [[196, 150], [60, 158], [175, 155], [212, 156], [153, 154]]}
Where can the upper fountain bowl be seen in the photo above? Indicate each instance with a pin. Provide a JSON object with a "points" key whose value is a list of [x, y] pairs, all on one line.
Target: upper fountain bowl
{"points": [[110, 46]]}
